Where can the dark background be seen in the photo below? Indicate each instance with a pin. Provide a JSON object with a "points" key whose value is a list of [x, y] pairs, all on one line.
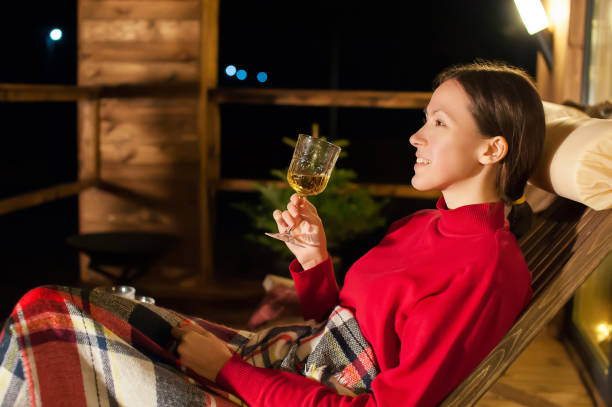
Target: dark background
{"points": [[383, 45]]}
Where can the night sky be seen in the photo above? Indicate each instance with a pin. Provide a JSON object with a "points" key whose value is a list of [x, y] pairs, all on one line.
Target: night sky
{"points": [[383, 45]]}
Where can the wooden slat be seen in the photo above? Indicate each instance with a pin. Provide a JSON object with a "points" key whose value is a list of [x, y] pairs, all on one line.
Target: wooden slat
{"points": [[316, 97], [140, 51], [111, 10], [208, 80], [150, 129], [45, 93], [117, 205], [140, 30], [521, 396], [96, 153], [589, 244], [43, 195], [123, 72], [397, 191]]}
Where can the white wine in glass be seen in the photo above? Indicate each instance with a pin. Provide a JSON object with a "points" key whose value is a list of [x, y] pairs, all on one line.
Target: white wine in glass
{"points": [[306, 184], [311, 166]]}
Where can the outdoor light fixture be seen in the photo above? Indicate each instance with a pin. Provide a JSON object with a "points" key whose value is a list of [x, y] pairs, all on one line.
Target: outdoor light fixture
{"points": [[536, 22]]}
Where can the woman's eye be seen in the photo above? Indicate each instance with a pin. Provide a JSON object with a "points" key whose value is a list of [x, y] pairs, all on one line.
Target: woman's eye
{"points": [[439, 123]]}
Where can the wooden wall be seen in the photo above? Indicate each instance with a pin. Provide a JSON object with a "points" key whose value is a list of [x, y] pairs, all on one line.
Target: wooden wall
{"points": [[567, 19], [149, 145]]}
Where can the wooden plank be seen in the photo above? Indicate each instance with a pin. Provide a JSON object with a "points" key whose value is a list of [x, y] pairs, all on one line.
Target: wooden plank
{"points": [[114, 10], [122, 208], [149, 72], [521, 396], [96, 153], [316, 97], [208, 80], [397, 191], [145, 109], [156, 31], [165, 174], [85, 139], [139, 51], [43, 195], [214, 142], [584, 373], [45, 93], [150, 129], [141, 1], [163, 152]]}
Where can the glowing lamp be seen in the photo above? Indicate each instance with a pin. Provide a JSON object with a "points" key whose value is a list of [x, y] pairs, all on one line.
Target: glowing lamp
{"points": [[536, 22], [533, 15]]}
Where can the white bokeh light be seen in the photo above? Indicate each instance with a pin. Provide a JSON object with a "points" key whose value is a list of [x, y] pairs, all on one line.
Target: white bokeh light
{"points": [[55, 34]]}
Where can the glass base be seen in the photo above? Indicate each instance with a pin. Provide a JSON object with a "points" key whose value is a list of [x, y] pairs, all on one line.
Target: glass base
{"points": [[285, 237]]}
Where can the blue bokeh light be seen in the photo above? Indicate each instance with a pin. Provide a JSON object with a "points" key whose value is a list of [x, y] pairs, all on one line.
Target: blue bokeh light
{"points": [[230, 70], [241, 74], [56, 34], [262, 77]]}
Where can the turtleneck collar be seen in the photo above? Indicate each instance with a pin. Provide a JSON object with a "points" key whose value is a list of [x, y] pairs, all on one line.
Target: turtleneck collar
{"points": [[471, 219]]}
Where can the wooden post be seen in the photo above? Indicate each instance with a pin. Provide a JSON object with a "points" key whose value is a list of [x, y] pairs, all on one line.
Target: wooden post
{"points": [[565, 80], [96, 140], [209, 129]]}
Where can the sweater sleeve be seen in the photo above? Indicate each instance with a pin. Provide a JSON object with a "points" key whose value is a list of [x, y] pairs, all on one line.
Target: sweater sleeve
{"points": [[317, 289], [443, 339]]}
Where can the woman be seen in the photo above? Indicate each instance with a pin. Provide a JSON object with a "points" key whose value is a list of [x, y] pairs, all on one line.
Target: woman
{"points": [[423, 307], [436, 295]]}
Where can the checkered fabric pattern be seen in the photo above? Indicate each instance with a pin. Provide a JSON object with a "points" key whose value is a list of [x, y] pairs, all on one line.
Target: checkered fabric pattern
{"points": [[67, 346]]}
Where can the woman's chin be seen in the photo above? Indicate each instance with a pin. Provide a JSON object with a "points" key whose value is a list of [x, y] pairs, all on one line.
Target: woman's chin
{"points": [[419, 186]]}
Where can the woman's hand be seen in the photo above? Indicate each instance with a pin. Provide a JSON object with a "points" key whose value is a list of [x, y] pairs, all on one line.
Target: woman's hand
{"points": [[302, 216], [200, 350]]}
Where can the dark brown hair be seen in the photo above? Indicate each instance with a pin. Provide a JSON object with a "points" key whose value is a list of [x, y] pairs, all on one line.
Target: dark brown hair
{"points": [[506, 103]]}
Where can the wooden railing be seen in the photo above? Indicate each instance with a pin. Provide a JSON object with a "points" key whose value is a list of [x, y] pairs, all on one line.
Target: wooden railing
{"points": [[54, 93], [291, 97]]}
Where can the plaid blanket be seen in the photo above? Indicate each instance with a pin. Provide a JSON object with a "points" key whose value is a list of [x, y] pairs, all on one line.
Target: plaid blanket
{"points": [[67, 346]]}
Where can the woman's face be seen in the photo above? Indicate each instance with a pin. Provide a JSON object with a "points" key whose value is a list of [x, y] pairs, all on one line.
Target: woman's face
{"points": [[449, 141]]}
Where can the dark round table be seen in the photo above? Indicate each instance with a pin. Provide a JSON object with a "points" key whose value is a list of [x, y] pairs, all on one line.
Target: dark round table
{"points": [[131, 251]]}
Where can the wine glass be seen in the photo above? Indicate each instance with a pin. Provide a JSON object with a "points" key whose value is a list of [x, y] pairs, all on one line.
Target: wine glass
{"points": [[311, 166]]}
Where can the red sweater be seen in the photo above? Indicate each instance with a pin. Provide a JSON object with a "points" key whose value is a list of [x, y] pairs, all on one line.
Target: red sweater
{"points": [[433, 298]]}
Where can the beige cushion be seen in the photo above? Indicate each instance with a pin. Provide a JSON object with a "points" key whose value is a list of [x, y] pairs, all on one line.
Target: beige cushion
{"points": [[576, 160]]}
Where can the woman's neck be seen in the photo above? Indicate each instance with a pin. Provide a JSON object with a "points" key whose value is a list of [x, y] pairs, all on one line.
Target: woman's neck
{"points": [[477, 190]]}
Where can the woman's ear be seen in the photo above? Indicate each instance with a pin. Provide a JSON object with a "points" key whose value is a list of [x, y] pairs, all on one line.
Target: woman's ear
{"points": [[495, 150]]}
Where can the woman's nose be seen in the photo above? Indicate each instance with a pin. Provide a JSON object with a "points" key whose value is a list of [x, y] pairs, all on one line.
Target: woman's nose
{"points": [[417, 138]]}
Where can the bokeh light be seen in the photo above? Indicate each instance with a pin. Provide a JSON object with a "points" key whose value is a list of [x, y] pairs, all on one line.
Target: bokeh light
{"points": [[262, 77], [241, 74], [230, 70], [55, 34]]}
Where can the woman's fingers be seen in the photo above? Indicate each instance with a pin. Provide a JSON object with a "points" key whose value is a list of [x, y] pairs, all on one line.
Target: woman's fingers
{"points": [[183, 328], [289, 220], [280, 222], [303, 203]]}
